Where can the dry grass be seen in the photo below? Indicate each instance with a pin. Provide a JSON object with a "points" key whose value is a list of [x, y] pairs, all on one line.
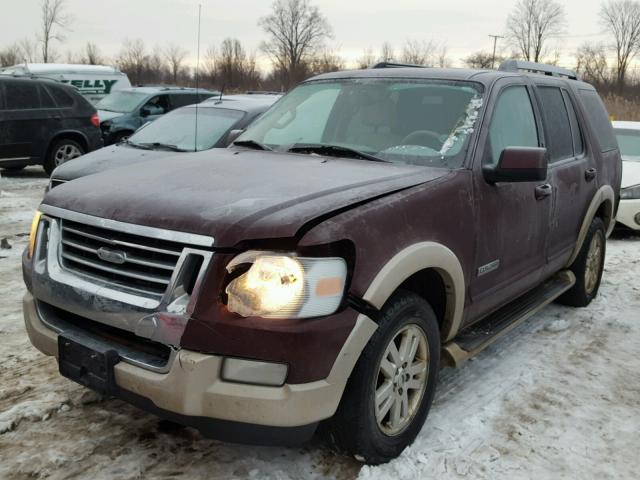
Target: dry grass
{"points": [[621, 108]]}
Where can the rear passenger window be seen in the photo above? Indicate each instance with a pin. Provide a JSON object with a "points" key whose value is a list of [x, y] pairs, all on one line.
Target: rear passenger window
{"points": [[556, 119], [578, 144], [599, 119], [21, 96], [62, 98], [513, 123]]}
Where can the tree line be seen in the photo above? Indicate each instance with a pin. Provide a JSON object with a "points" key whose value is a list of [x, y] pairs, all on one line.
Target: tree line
{"points": [[297, 36]]}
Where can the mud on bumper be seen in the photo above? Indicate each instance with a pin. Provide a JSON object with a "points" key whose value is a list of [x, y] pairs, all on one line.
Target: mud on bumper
{"points": [[192, 392]]}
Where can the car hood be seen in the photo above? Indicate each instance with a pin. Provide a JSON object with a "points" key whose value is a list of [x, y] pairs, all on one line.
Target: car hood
{"points": [[106, 158], [104, 115], [630, 173], [235, 195]]}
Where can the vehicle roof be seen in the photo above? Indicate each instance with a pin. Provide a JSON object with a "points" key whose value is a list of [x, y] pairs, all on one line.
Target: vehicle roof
{"points": [[36, 68], [244, 102], [626, 125], [152, 90], [485, 77]]}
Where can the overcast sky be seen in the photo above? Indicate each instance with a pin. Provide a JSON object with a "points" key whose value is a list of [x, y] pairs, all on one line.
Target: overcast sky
{"points": [[463, 25]]}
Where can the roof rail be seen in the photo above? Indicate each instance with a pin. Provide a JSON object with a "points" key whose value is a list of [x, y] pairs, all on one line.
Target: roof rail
{"points": [[396, 65], [540, 68], [263, 92]]}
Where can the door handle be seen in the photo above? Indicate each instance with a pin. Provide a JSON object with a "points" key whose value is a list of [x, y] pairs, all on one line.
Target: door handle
{"points": [[543, 191], [590, 174]]}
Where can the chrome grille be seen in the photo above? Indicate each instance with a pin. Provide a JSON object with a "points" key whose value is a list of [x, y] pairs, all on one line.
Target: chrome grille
{"points": [[141, 264]]}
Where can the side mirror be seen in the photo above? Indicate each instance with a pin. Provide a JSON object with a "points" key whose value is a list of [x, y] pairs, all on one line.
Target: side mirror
{"points": [[518, 164], [233, 134], [145, 112]]}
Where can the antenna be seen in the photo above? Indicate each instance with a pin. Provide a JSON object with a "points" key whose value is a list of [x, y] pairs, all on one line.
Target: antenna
{"points": [[195, 137]]}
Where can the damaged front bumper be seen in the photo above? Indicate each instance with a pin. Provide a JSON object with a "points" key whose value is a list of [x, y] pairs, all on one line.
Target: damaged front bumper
{"points": [[192, 392]]}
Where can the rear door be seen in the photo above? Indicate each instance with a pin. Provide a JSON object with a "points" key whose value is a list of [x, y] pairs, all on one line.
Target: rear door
{"points": [[511, 222], [572, 171]]}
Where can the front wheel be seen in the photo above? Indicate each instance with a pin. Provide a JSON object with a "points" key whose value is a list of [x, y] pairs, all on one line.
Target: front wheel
{"points": [[588, 267], [62, 151], [390, 391]]}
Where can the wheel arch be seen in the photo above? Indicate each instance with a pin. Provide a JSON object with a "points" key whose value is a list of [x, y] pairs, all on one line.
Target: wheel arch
{"points": [[602, 206], [410, 268], [68, 134]]}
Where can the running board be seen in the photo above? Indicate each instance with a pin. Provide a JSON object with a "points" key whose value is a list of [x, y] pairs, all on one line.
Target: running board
{"points": [[479, 336]]}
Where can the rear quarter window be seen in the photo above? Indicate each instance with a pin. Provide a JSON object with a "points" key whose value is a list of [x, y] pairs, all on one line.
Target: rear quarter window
{"points": [[599, 119], [62, 98]]}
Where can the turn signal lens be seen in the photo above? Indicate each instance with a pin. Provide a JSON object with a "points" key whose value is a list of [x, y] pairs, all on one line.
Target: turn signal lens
{"points": [[33, 233], [95, 120]]}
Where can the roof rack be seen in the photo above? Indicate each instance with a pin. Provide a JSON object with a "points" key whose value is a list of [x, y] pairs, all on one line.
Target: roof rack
{"points": [[396, 65], [540, 68]]}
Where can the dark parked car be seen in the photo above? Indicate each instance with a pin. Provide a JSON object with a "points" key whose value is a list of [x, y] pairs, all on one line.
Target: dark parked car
{"points": [[370, 224], [174, 132], [44, 123], [124, 111]]}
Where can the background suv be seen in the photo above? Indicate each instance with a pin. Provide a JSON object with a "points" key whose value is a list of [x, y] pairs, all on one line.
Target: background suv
{"points": [[218, 121], [124, 111], [44, 123]]}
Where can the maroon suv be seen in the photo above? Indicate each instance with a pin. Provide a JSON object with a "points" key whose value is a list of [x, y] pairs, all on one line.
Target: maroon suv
{"points": [[370, 227]]}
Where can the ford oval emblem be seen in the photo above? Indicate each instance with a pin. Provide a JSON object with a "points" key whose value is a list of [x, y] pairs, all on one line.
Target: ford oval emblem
{"points": [[112, 256]]}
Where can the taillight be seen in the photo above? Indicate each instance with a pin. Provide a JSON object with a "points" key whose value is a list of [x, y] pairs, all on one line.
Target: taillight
{"points": [[95, 120]]}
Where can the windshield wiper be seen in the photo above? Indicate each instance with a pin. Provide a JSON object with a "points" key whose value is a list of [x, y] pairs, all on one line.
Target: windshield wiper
{"points": [[154, 145], [333, 150], [136, 145], [252, 144]]}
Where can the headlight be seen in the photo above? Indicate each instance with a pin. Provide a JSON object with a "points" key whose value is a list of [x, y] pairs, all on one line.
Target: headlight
{"points": [[630, 192], [286, 286], [33, 233]]}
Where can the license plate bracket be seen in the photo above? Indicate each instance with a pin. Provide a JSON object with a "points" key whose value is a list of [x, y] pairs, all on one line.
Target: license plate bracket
{"points": [[88, 362]]}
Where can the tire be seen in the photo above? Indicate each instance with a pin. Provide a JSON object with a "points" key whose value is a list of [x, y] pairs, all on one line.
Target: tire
{"points": [[62, 151], [355, 427], [587, 267]]}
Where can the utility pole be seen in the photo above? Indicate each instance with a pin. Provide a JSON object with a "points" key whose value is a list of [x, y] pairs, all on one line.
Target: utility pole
{"points": [[495, 42]]}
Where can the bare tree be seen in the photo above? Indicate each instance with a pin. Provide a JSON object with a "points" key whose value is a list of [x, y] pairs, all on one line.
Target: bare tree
{"points": [[133, 59], [175, 56], [10, 55], [92, 54], [326, 61], [482, 60], [419, 53], [387, 53], [622, 19], [53, 19], [591, 63], [367, 59], [296, 30], [532, 23], [28, 50]]}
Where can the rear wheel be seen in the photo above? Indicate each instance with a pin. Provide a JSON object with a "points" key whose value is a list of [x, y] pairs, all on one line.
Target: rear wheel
{"points": [[391, 388], [62, 151], [588, 267]]}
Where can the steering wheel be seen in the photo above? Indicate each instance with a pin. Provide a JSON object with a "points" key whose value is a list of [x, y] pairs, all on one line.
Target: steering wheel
{"points": [[426, 138]]}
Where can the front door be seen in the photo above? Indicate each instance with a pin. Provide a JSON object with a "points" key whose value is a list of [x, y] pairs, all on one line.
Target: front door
{"points": [[511, 218]]}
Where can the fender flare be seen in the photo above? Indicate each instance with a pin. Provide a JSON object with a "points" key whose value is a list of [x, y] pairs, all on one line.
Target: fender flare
{"points": [[605, 196], [413, 259]]}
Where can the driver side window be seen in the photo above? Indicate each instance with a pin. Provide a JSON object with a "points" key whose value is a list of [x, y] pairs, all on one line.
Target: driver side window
{"points": [[157, 105], [513, 124]]}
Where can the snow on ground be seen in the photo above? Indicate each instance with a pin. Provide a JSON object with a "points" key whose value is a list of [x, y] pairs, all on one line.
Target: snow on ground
{"points": [[559, 397]]}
